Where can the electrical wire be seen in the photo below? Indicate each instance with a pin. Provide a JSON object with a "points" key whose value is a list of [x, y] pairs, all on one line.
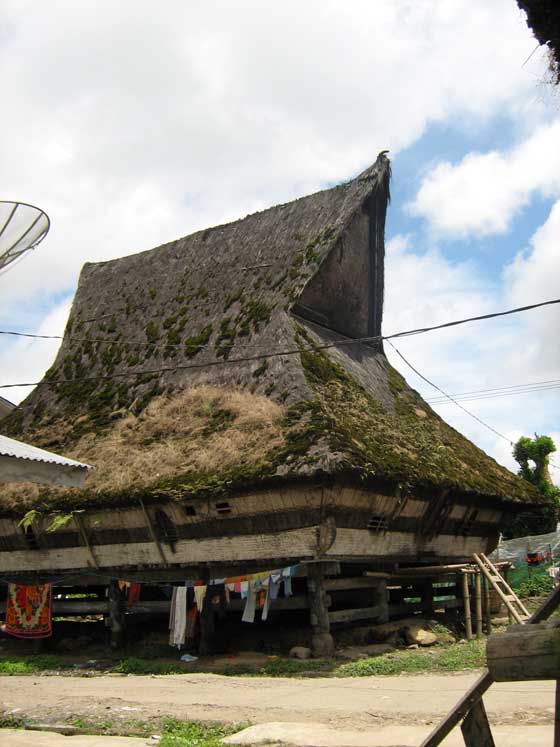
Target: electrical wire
{"points": [[347, 341], [498, 392], [448, 396]]}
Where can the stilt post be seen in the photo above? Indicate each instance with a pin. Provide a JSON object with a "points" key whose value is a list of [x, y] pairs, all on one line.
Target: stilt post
{"points": [[478, 604], [322, 643], [467, 606], [116, 613]]}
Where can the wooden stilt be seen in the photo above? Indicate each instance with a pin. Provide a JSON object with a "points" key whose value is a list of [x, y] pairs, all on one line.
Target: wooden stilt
{"points": [[116, 614], [478, 604], [557, 716], [487, 609], [428, 598], [322, 643], [207, 625], [467, 607]]}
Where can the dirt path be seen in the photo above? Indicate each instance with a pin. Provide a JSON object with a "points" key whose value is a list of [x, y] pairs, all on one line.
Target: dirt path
{"points": [[357, 703]]}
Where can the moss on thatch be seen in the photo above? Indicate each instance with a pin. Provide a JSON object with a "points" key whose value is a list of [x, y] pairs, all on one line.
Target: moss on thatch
{"points": [[220, 419]]}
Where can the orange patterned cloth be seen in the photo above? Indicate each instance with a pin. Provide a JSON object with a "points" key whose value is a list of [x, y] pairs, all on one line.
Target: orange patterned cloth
{"points": [[28, 612]]}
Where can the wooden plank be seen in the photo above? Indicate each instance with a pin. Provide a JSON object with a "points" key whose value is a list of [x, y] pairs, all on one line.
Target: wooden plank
{"points": [[359, 582], [525, 652], [478, 604], [467, 607], [83, 534], [476, 729], [365, 613], [152, 532], [557, 716]]}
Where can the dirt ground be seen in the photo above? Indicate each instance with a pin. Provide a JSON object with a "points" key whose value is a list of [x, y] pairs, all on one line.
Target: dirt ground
{"points": [[350, 703]]}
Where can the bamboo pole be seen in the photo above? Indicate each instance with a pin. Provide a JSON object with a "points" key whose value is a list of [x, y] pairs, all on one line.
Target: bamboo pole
{"points": [[487, 605], [478, 605], [467, 607]]}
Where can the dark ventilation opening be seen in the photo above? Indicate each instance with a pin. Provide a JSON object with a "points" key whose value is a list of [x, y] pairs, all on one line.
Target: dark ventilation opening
{"points": [[223, 508], [165, 529], [377, 524], [31, 539], [189, 510]]}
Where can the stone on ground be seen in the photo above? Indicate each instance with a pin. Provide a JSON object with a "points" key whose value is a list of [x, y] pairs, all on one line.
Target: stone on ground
{"points": [[300, 652], [396, 735], [21, 738]]}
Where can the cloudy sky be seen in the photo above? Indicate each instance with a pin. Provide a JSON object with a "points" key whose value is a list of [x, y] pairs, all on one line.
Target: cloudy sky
{"points": [[133, 124]]}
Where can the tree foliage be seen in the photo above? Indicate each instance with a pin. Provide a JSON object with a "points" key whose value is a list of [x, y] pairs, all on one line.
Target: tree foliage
{"points": [[532, 455]]}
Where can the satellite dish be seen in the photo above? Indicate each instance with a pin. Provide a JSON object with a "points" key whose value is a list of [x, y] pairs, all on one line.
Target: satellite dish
{"points": [[22, 228]]}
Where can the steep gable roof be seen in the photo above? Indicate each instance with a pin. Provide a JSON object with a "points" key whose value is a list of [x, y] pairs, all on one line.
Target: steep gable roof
{"points": [[162, 347]]}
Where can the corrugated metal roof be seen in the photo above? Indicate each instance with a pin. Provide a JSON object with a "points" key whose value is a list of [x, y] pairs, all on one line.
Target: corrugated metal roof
{"points": [[9, 447]]}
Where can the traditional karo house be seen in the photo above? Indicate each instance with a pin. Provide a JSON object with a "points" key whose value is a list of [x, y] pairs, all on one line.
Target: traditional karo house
{"points": [[238, 423]]}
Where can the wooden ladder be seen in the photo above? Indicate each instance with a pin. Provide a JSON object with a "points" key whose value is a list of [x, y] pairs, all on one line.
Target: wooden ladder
{"points": [[515, 606]]}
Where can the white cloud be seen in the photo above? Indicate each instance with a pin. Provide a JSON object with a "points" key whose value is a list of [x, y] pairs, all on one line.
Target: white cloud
{"points": [[25, 360], [424, 285], [132, 127], [484, 191]]}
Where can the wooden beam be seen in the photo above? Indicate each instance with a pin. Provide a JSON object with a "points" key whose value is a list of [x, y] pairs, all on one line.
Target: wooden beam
{"points": [[359, 582], [322, 642], [365, 613], [467, 607], [478, 604], [85, 539], [524, 652], [476, 729], [152, 532]]}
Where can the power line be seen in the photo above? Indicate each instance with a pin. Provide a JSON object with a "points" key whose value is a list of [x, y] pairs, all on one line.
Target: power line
{"points": [[448, 396], [493, 394], [262, 356], [376, 338]]}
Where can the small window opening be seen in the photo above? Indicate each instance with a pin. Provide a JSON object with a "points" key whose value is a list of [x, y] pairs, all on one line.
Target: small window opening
{"points": [[223, 508], [31, 538], [190, 510], [377, 524]]}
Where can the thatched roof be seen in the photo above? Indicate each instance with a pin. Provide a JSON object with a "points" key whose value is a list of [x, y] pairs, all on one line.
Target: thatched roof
{"points": [[543, 18], [212, 414]]}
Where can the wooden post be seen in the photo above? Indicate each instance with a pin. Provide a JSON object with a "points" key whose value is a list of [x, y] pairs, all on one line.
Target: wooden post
{"points": [[504, 575], [427, 597], [557, 716], [476, 729], [322, 643], [207, 624], [467, 606], [116, 614], [478, 604], [487, 609]]}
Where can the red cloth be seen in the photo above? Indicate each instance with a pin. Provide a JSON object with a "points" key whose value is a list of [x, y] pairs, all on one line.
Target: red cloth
{"points": [[29, 611], [133, 594]]}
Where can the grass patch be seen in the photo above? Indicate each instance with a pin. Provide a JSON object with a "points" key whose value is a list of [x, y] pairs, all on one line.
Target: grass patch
{"points": [[193, 734], [132, 665], [454, 658], [30, 665]]}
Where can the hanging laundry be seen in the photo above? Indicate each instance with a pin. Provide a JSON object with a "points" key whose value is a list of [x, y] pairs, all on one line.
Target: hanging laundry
{"points": [[250, 605], [178, 617], [29, 611], [199, 595], [192, 615], [287, 578], [133, 594], [274, 586]]}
